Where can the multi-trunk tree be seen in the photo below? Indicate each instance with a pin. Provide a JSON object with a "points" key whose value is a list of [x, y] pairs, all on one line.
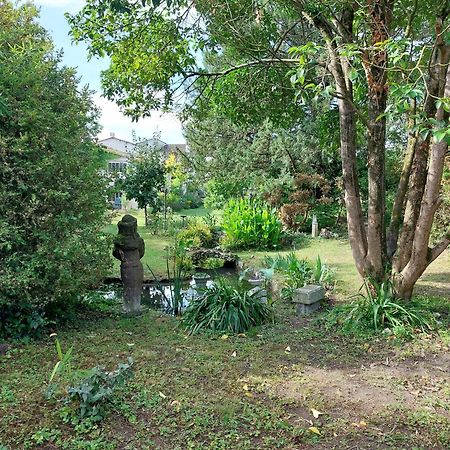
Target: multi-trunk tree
{"points": [[383, 62]]}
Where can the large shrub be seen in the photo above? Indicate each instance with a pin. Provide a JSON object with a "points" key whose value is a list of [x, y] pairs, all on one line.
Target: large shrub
{"points": [[226, 308], [197, 234], [251, 224], [52, 197]]}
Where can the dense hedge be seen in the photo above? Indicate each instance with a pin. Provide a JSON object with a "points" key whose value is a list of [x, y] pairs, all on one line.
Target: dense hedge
{"points": [[52, 196]]}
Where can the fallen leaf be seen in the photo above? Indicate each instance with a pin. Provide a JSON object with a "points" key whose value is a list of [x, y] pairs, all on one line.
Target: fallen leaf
{"points": [[245, 387], [224, 336], [162, 395], [287, 349], [248, 394], [241, 335], [314, 430], [234, 354], [360, 424], [316, 413], [175, 403]]}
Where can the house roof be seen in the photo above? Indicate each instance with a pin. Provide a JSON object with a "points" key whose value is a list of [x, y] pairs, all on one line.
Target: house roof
{"points": [[117, 146], [123, 148]]}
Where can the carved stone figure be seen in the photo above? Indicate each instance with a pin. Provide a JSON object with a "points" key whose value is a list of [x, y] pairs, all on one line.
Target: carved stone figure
{"points": [[129, 248]]}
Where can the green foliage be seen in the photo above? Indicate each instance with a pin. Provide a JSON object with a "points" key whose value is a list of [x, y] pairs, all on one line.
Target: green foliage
{"points": [[323, 274], [379, 310], [251, 224], [219, 191], [63, 366], [267, 161], [181, 190], [91, 395], [52, 195], [225, 307], [144, 178], [212, 263], [299, 272], [197, 234]]}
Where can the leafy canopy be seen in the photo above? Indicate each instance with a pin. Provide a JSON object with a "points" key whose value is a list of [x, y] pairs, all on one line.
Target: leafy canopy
{"points": [[52, 196]]}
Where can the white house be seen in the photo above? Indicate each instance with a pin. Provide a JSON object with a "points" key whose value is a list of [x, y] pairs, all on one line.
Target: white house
{"points": [[121, 150]]}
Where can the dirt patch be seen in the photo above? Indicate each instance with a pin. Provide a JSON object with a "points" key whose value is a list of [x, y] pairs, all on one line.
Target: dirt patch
{"points": [[362, 392]]}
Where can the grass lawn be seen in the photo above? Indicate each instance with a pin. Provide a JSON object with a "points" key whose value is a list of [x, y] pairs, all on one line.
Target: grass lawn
{"points": [[336, 253], [257, 391], [261, 390]]}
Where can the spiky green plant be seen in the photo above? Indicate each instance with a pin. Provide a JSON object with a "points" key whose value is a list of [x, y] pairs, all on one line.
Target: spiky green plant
{"points": [[251, 224], [226, 307], [378, 309]]}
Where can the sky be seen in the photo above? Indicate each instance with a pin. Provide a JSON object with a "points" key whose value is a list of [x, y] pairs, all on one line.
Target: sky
{"points": [[112, 120]]}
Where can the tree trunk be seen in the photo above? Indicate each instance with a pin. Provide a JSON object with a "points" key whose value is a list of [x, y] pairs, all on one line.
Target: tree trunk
{"points": [[355, 222], [399, 202], [375, 62], [421, 254], [414, 254], [435, 88]]}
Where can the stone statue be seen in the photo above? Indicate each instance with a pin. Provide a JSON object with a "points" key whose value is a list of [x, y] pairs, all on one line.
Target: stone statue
{"points": [[129, 248]]}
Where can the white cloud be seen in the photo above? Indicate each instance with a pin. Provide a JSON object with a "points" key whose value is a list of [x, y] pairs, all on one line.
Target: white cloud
{"points": [[113, 121]]}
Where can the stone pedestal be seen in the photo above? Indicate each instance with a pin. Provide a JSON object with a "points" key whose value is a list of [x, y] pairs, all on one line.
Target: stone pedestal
{"points": [[307, 298], [314, 227]]}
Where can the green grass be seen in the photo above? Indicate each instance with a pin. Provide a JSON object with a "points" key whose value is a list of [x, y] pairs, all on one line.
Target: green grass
{"points": [[155, 245], [241, 392], [334, 252]]}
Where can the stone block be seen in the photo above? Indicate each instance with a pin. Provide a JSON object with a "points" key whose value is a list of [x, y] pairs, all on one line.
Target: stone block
{"points": [[309, 294], [259, 293], [307, 309]]}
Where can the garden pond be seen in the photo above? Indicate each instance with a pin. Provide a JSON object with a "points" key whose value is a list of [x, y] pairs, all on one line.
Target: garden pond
{"points": [[162, 295]]}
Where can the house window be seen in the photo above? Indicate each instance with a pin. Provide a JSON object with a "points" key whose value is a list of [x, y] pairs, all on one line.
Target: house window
{"points": [[117, 166], [116, 200]]}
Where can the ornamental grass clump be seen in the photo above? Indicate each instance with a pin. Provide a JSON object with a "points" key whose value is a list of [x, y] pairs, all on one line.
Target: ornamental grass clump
{"points": [[379, 310], [249, 223], [226, 307]]}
